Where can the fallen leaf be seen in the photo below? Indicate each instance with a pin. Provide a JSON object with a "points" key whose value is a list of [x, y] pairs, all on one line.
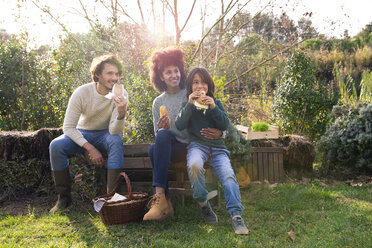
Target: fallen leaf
{"points": [[291, 235], [356, 184], [78, 178], [306, 180], [272, 186], [323, 184]]}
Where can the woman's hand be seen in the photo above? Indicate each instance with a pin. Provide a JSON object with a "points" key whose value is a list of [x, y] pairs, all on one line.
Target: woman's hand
{"points": [[164, 122], [211, 133]]}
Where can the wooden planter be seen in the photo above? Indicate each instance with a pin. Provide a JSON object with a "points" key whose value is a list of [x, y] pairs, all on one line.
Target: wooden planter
{"points": [[272, 133], [266, 164]]}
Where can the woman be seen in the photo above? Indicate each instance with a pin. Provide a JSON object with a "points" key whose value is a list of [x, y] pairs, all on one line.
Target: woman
{"points": [[167, 75]]}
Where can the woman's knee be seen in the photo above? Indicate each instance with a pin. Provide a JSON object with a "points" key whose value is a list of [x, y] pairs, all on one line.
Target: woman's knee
{"points": [[163, 136]]}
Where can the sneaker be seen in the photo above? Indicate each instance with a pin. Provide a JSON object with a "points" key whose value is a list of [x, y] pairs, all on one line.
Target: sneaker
{"points": [[208, 214], [239, 226]]}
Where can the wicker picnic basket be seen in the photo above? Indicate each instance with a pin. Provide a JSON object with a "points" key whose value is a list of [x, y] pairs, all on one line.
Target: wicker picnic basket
{"points": [[120, 212]]}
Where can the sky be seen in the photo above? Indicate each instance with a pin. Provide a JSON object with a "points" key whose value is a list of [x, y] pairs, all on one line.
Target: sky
{"points": [[330, 17]]}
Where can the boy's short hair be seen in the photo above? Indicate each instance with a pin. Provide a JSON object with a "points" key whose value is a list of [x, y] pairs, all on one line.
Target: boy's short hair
{"points": [[162, 58], [99, 62]]}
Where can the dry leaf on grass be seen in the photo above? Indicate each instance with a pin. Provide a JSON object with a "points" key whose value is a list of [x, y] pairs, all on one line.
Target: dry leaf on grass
{"points": [[272, 186], [323, 184], [306, 180], [291, 235], [78, 178], [356, 184]]}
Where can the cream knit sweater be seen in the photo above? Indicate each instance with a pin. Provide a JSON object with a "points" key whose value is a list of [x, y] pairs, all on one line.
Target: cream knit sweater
{"points": [[89, 110]]}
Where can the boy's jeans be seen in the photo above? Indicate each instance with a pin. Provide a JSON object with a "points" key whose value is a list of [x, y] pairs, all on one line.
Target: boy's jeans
{"points": [[62, 147], [218, 160]]}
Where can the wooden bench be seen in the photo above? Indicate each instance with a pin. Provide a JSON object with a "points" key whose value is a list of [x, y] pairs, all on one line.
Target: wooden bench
{"points": [[137, 161]]}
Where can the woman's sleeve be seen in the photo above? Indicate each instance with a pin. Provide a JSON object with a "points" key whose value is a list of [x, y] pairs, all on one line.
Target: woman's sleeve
{"points": [[155, 114]]}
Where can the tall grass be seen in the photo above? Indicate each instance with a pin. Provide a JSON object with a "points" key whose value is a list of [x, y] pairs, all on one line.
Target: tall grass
{"points": [[366, 87], [348, 89]]}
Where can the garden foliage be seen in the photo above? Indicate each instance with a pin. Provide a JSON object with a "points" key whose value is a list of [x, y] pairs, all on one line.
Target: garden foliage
{"points": [[347, 143], [301, 105]]}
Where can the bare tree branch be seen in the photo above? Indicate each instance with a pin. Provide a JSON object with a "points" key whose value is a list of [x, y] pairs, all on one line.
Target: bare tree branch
{"points": [[140, 10], [126, 14], [47, 11], [86, 16], [206, 34], [265, 61], [187, 20]]}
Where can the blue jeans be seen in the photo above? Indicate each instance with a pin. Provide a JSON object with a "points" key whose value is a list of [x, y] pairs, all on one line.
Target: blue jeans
{"points": [[218, 160], [165, 150], [62, 147]]}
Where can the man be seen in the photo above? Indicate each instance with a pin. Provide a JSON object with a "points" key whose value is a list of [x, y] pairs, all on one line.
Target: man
{"points": [[93, 123]]}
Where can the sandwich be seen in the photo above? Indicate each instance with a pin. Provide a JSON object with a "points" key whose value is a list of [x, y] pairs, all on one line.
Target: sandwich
{"points": [[118, 89], [163, 111], [199, 103]]}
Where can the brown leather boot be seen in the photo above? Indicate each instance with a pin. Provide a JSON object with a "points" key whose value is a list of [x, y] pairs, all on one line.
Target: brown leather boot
{"points": [[159, 209], [170, 207], [111, 177], [62, 181]]}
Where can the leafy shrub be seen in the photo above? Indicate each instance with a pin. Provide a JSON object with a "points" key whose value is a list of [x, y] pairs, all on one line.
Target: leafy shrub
{"points": [[139, 127], [239, 147], [260, 127], [347, 143], [301, 105], [30, 95]]}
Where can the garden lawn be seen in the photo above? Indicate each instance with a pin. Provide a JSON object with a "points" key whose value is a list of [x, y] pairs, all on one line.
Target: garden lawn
{"points": [[288, 215]]}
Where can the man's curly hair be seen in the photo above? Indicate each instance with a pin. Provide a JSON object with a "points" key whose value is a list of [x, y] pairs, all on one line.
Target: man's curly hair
{"points": [[99, 62], [162, 58]]}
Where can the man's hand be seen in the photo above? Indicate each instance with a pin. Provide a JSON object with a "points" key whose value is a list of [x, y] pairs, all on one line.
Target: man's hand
{"points": [[164, 122], [94, 155], [121, 103], [211, 133]]}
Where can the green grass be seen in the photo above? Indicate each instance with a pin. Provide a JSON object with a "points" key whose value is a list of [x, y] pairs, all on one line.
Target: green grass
{"points": [[333, 216]]}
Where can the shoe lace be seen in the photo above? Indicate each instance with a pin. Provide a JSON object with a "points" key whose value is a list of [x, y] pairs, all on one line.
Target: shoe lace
{"points": [[239, 221], [153, 201], [207, 210]]}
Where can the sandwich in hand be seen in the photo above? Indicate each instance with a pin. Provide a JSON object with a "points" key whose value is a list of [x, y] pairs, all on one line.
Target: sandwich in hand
{"points": [[118, 89], [163, 111], [199, 103]]}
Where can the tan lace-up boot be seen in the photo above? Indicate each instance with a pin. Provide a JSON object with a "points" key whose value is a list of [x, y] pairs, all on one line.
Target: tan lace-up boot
{"points": [[170, 207], [159, 208]]}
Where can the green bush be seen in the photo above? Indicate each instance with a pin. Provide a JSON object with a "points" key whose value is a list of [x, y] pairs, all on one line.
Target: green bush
{"points": [[301, 105], [239, 147], [260, 127], [347, 143]]}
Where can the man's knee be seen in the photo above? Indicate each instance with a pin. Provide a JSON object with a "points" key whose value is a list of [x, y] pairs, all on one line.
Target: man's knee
{"points": [[56, 145], [115, 141]]}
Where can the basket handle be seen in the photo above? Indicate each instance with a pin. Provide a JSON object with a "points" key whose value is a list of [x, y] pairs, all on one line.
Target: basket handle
{"points": [[116, 183]]}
